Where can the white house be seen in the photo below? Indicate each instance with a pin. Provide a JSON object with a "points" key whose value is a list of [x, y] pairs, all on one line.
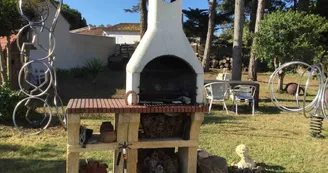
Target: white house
{"points": [[72, 49], [128, 33]]}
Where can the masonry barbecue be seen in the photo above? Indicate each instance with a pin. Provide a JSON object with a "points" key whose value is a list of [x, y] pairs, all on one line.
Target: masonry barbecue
{"points": [[164, 70], [163, 110]]}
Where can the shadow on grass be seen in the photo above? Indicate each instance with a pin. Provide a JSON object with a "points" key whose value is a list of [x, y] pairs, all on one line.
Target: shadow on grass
{"points": [[30, 159], [268, 169], [210, 119], [269, 110], [107, 84], [23, 123], [268, 100], [31, 166]]}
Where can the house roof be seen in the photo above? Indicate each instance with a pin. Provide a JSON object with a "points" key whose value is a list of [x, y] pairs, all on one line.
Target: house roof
{"points": [[125, 27], [78, 30], [3, 41], [95, 31]]}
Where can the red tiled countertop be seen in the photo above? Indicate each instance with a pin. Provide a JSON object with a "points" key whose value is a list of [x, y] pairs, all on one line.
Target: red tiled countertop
{"points": [[119, 106]]}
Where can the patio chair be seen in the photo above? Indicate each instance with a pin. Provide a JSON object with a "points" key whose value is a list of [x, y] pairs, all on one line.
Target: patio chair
{"points": [[216, 92], [225, 75], [244, 92]]}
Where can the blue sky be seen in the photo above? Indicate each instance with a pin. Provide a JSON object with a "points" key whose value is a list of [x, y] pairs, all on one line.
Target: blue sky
{"points": [[111, 11]]}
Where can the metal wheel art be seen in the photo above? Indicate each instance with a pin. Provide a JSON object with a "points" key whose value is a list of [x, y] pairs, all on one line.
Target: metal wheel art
{"points": [[315, 109], [38, 85]]}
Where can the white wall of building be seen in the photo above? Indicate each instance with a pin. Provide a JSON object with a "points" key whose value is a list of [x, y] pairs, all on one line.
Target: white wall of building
{"points": [[123, 37], [72, 50]]}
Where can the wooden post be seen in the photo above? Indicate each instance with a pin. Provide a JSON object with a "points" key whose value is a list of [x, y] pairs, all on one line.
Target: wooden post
{"points": [[73, 134], [188, 155], [133, 133], [127, 131]]}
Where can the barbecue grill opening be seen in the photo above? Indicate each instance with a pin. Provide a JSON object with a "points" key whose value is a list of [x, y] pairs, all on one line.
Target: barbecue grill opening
{"points": [[168, 79]]}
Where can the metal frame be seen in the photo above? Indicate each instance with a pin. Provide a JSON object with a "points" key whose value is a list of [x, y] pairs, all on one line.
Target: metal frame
{"points": [[46, 91]]}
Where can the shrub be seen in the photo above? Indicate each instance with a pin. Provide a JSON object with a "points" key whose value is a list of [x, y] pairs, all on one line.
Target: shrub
{"points": [[94, 66], [8, 100]]}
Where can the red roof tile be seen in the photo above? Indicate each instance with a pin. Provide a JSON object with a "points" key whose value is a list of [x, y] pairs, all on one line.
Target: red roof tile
{"points": [[125, 27], [96, 31]]}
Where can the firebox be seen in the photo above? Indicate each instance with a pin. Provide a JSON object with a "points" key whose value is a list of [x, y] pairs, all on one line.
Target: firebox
{"points": [[168, 79]]}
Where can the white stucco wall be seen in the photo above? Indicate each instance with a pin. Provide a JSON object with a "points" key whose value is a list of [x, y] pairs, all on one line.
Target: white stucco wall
{"points": [[72, 50], [124, 37]]}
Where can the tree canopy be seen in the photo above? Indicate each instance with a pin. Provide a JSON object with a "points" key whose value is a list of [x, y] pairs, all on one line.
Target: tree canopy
{"points": [[196, 24], [73, 17], [290, 36], [10, 19]]}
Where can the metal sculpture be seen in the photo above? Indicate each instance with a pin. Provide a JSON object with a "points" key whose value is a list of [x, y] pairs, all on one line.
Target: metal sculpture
{"points": [[316, 109], [42, 86]]}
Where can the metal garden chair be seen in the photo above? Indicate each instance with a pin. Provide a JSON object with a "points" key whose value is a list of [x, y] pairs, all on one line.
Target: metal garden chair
{"points": [[216, 92], [244, 92]]}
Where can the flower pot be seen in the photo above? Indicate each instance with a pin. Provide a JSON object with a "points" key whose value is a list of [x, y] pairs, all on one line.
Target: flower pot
{"points": [[107, 137]]}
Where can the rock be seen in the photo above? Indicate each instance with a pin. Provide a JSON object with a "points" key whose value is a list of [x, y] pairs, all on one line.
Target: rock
{"points": [[202, 154], [212, 164]]}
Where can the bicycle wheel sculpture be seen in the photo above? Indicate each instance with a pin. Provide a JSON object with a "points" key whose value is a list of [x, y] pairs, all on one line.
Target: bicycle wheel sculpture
{"points": [[39, 86], [315, 108]]}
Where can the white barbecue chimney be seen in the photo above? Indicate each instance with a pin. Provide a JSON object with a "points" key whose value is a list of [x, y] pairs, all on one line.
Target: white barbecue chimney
{"points": [[164, 36]]}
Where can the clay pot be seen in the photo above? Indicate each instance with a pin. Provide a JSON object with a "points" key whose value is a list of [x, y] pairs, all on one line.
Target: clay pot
{"points": [[106, 127], [291, 89], [108, 137], [107, 133]]}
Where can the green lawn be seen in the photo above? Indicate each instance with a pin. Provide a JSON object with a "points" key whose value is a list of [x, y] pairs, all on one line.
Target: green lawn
{"points": [[277, 138]]}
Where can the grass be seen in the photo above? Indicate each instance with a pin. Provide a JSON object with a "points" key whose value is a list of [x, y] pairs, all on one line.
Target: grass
{"points": [[276, 138]]}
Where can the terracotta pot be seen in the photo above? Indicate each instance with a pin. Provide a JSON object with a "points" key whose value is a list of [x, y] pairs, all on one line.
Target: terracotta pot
{"points": [[107, 137], [107, 133], [106, 127]]}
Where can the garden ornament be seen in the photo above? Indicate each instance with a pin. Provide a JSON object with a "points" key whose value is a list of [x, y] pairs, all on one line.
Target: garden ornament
{"points": [[42, 86], [316, 109], [246, 161], [124, 148]]}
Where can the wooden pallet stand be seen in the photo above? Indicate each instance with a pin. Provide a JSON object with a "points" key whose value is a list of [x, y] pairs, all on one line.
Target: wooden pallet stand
{"points": [[127, 121]]}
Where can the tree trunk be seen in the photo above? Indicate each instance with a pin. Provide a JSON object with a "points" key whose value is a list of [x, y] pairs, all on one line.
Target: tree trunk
{"points": [[9, 58], [281, 76], [209, 38], [237, 39], [252, 67], [303, 5], [3, 75], [143, 17], [295, 5], [252, 20]]}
